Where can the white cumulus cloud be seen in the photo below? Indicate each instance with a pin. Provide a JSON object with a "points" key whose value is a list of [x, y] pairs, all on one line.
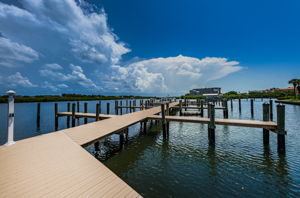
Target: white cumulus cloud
{"points": [[48, 85], [76, 76], [66, 25], [16, 80], [12, 53], [170, 75], [54, 66]]}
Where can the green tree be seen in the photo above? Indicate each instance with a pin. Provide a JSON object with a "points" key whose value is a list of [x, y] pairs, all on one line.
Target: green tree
{"points": [[298, 86], [232, 93], [294, 82]]}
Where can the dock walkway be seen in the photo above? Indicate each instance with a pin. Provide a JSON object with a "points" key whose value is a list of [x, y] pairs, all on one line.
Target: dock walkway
{"points": [[56, 164], [230, 122]]}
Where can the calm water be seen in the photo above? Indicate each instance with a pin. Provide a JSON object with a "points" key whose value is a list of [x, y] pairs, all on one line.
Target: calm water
{"points": [[184, 165]]}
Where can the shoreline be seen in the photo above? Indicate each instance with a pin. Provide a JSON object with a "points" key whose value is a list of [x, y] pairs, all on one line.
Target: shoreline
{"points": [[65, 99], [288, 102]]}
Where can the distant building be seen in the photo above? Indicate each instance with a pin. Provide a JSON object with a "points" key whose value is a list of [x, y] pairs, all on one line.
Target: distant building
{"points": [[206, 91], [287, 89]]}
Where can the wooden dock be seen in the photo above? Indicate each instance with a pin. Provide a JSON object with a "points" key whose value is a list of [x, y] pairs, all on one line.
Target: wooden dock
{"points": [[92, 132], [53, 165], [189, 107], [85, 115], [56, 165], [131, 107], [229, 122], [191, 112]]}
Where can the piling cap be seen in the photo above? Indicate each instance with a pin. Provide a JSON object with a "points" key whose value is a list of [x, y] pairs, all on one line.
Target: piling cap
{"points": [[10, 92]]}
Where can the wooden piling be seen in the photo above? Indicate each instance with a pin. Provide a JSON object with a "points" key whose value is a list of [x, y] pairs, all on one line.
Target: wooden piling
{"points": [[134, 104], [180, 107], [56, 116], [231, 104], [78, 106], [121, 109], [38, 116], [68, 117], [116, 107], [97, 146], [97, 111], [266, 117], [226, 108], [201, 110], [168, 113], [211, 125], [163, 120], [252, 107], [85, 111], [73, 114], [271, 109], [108, 108], [281, 128], [240, 106], [121, 140], [145, 126]]}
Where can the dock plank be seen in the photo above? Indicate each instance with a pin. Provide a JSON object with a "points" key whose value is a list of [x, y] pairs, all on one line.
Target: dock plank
{"points": [[85, 115], [49, 165], [89, 133]]}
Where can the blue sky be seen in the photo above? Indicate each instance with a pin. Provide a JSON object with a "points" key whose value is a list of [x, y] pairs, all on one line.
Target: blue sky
{"points": [[147, 47]]}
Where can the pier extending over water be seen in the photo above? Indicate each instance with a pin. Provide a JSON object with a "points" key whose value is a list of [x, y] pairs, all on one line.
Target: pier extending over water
{"points": [[56, 164]]}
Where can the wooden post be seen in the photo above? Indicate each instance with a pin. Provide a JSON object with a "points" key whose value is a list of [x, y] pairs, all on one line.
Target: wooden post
{"points": [[121, 138], [130, 106], [226, 108], [97, 146], [266, 133], [240, 106], [231, 104], [271, 109], [281, 128], [85, 111], [108, 108], [163, 120], [126, 135], [185, 103], [38, 116], [202, 110], [134, 105], [121, 109], [180, 107], [211, 124], [168, 113], [78, 110], [97, 111], [73, 114], [252, 107], [116, 107], [145, 126], [56, 116], [78, 106], [68, 117]]}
